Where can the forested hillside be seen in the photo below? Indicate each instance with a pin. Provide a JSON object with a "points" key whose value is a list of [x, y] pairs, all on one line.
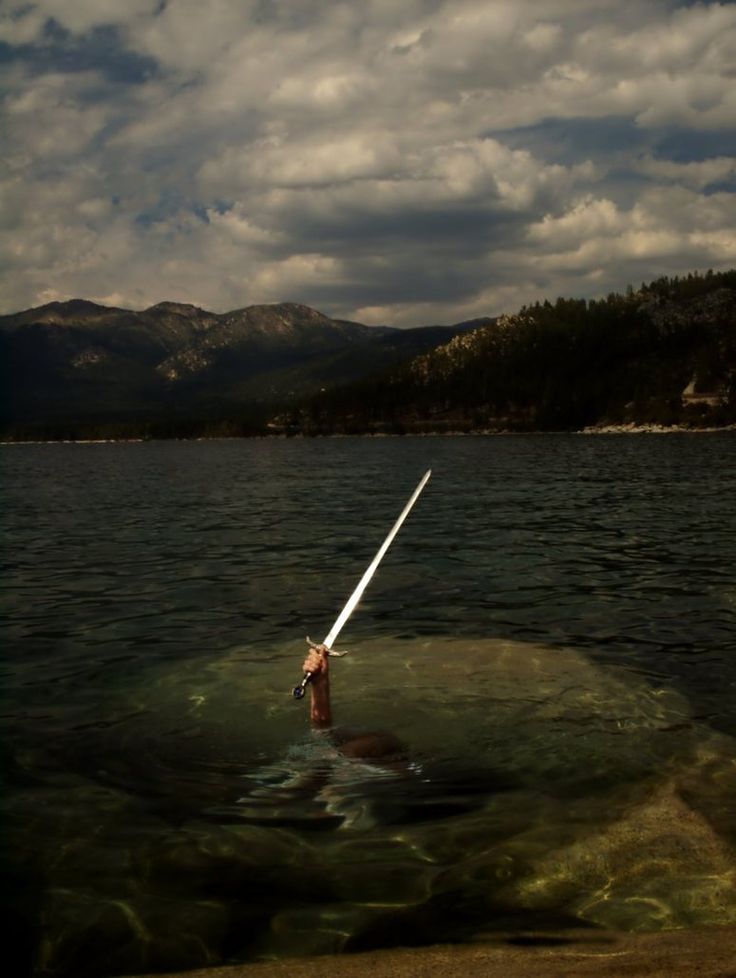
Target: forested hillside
{"points": [[662, 354]]}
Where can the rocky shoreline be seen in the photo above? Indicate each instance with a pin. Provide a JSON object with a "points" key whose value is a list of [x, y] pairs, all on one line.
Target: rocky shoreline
{"points": [[632, 428]]}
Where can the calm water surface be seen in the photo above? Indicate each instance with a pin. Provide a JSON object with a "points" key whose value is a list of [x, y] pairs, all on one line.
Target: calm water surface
{"points": [[552, 636]]}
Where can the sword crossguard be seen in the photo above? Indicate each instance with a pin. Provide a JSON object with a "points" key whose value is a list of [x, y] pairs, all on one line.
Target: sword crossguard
{"points": [[331, 652]]}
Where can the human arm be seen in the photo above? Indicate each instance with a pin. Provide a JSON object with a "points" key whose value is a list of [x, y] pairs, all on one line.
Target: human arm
{"points": [[317, 664]]}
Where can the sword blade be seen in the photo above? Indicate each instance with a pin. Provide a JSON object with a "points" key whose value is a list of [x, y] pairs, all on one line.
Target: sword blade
{"points": [[298, 691], [365, 579]]}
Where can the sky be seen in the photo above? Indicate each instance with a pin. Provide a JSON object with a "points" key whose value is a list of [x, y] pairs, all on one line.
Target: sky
{"points": [[405, 162]]}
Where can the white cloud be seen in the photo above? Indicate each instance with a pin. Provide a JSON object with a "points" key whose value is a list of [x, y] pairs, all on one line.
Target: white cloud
{"points": [[587, 219], [359, 181], [678, 227], [45, 121], [21, 24], [191, 36], [543, 37], [694, 175], [311, 162], [692, 36]]}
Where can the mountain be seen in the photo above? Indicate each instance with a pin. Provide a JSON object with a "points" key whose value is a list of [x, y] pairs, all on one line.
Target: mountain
{"points": [[665, 354], [71, 367]]}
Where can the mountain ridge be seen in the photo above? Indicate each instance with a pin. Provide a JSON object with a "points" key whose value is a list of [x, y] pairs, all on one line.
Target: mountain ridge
{"points": [[77, 364]]}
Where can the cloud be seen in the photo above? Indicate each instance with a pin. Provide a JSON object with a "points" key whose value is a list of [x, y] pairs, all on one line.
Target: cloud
{"points": [[416, 162], [23, 22], [680, 227], [46, 123], [694, 175]]}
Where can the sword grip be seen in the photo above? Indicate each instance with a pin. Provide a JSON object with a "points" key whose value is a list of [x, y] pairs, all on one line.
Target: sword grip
{"points": [[299, 691]]}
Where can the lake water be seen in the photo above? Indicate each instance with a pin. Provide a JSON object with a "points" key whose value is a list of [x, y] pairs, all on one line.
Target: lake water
{"points": [[552, 636]]}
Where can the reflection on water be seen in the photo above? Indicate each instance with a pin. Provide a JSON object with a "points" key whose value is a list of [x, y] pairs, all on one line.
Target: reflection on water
{"points": [[551, 636]]}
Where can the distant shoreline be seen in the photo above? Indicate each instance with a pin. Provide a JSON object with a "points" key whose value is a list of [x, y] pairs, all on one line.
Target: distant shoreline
{"points": [[649, 429], [629, 428]]}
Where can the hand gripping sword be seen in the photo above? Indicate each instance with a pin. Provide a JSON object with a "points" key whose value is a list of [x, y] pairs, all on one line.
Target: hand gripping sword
{"points": [[355, 597]]}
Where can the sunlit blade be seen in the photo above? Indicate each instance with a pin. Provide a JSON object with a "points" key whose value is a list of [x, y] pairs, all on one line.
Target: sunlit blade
{"points": [[363, 584]]}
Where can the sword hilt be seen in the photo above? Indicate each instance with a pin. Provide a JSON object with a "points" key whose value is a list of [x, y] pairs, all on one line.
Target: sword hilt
{"points": [[299, 691]]}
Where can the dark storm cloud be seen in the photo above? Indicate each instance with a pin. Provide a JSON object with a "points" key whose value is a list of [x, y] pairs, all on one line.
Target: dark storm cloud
{"points": [[679, 144], [567, 140], [101, 50]]}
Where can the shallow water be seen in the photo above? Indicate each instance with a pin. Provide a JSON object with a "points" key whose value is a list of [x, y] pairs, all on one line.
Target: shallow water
{"points": [[552, 636]]}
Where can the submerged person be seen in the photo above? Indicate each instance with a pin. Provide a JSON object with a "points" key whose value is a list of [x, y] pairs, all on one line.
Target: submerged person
{"points": [[344, 775], [371, 746], [356, 779]]}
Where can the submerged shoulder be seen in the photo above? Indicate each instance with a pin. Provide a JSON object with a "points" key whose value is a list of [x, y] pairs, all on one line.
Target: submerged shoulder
{"points": [[367, 744]]}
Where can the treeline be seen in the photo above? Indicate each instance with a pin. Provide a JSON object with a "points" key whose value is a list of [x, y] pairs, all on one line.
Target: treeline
{"points": [[149, 430], [690, 286], [563, 365]]}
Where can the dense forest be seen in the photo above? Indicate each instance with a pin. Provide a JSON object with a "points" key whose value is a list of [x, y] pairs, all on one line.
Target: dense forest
{"points": [[664, 354]]}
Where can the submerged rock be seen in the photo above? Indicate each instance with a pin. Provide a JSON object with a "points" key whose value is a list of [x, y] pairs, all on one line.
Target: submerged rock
{"points": [[87, 937], [539, 789], [660, 866], [258, 867]]}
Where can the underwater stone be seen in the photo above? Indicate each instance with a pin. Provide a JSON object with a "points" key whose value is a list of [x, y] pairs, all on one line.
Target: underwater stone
{"points": [[382, 883], [543, 715], [88, 936], [313, 930], [708, 785], [243, 862], [661, 866]]}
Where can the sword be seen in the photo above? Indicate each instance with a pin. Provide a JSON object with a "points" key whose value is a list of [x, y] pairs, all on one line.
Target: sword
{"points": [[355, 597]]}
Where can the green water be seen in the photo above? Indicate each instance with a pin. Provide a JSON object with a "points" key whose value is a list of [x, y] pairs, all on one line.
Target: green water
{"points": [[552, 636]]}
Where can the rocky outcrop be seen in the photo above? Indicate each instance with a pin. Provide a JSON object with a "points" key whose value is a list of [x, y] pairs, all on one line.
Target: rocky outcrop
{"points": [[663, 356]]}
